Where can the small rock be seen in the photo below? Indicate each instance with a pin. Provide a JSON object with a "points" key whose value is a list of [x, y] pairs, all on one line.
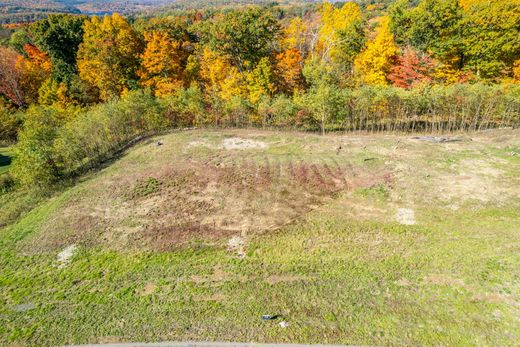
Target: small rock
{"points": [[237, 244], [283, 324], [405, 216], [65, 255]]}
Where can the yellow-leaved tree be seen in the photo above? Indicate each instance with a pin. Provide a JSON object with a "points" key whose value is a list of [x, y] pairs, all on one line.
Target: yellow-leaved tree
{"points": [[340, 32], [162, 60], [260, 81], [213, 69], [220, 77], [516, 71], [295, 35], [108, 57], [375, 61]]}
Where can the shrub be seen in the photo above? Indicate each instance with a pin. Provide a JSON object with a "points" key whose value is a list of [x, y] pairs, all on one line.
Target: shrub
{"points": [[186, 108], [35, 161], [9, 125], [53, 145], [99, 133], [238, 112], [279, 111], [6, 183]]}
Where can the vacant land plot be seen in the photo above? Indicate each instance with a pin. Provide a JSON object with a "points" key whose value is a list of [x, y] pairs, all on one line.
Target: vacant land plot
{"points": [[355, 239]]}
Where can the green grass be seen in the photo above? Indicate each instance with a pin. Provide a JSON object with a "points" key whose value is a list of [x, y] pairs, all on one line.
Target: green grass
{"points": [[339, 274], [5, 159]]}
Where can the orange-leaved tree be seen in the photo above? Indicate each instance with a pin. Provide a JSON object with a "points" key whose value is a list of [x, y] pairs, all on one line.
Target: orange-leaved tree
{"points": [[35, 69], [411, 67], [162, 63], [289, 64]]}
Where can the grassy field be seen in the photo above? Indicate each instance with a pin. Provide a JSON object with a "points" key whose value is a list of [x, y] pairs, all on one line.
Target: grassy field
{"points": [[5, 159], [355, 239]]}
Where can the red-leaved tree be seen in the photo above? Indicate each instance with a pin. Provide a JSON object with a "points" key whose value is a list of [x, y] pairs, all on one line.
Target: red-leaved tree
{"points": [[11, 76], [411, 68]]}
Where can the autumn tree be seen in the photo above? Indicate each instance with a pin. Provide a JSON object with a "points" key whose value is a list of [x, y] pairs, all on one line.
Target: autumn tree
{"points": [[260, 81], [411, 67], [491, 36], [108, 57], [400, 20], [323, 99], [242, 36], [516, 71], [375, 61], [435, 27], [213, 69], [294, 48], [296, 36], [234, 85], [289, 64], [341, 35], [35, 69], [11, 77], [169, 44], [59, 36], [162, 63]]}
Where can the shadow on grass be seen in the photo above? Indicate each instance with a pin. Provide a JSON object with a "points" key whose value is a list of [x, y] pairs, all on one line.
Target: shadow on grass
{"points": [[4, 160]]}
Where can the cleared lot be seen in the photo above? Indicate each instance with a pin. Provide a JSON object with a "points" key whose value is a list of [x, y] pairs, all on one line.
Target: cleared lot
{"points": [[355, 239]]}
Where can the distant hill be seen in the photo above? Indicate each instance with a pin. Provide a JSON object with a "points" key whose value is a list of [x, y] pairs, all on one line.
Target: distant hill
{"points": [[16, 11], [23, 11]]}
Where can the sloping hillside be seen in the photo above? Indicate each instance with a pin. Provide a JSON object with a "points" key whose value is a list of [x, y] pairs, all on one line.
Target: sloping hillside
{"points": [[355, 239]]}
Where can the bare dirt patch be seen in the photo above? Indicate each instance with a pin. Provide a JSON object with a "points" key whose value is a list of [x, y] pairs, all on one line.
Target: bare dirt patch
{"points": [[215, 297], [240, 143], [231, 143], [275, 279], [65, 255], [237, 245], [444, 279], [476, 179], [148, 289], [218, 276], [205, 199], [405, 216]]}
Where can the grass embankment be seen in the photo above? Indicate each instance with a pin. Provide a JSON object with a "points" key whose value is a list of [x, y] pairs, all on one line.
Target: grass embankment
{"points": [[349, 268]]}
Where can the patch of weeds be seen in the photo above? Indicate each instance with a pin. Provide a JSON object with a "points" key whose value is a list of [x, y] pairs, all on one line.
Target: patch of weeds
{"points": [[492, 270], [6, 183], [144, 188], [378, 192]]}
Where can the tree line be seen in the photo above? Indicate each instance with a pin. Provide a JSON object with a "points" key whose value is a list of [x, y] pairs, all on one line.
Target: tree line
{"points": [[432, 65]]}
